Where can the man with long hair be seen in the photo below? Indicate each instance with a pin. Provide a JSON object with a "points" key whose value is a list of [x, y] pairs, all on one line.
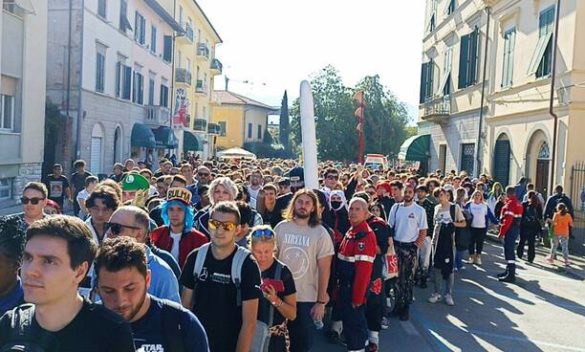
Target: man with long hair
{"points": [[307, 249]]}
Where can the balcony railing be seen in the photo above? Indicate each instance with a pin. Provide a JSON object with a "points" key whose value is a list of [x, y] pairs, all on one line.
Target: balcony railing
{"points": [[189, 34], [213, 128], [182, 75], [203, 50], [437, 110], [200, 125], [157, 115], [216, 66], [200, 87]]}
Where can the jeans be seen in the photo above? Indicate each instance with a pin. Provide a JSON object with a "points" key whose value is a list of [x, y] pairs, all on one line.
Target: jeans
{"points": [[302, 329], [459, 259], [438, 280], [477, 239], [564, 241]]}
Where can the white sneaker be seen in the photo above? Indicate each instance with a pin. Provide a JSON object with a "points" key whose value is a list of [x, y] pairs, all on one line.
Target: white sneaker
{"points": [[449, 300], [435, 297]]}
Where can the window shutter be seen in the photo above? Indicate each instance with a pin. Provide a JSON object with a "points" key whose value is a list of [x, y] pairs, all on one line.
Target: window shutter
{"points": [[118, 78], [168, 48], [127, 82], [463, 62], [473, 57], [423, 82], [430, 79]]}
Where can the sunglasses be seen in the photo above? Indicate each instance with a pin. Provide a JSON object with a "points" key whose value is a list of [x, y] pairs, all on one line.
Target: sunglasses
{"points": [[227, 226], [116, 228], [33, 201], [268, 233]]}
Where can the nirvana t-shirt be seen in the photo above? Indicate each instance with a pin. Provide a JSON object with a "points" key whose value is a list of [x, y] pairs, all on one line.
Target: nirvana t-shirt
{"points": [[300, 247], [148, 330], [289, 288], [94, 329], [215, 297]]}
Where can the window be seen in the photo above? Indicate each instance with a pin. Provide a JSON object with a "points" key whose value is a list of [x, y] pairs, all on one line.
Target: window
{"points": [[168, 48], [5, 188], [249, 131], [468, 59], [138, 88], [153, 39], [127, 82], [259, 132], [433, 19], [426, 81], [164, 95], [151, 90], [508, 63], [139, 29], [446, 80], [100, 69], [6, 112], [188, 64], [101, 10], [180, 15], [467, 157], [124, 23], [451, 7], [118, 89], [541, 63], [222, 128]]}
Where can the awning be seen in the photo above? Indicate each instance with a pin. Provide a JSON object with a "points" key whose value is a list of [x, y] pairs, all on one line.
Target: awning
{"points": [[191, 142], [416, 148], [236, 153], [165, 138], [142, 136]]}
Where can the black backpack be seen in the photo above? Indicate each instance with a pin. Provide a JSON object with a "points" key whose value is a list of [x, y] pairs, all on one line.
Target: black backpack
{"points": [[21, 337]]}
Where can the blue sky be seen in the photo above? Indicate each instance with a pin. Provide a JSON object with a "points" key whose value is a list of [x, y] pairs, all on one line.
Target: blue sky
{"points": [[272, 45]]}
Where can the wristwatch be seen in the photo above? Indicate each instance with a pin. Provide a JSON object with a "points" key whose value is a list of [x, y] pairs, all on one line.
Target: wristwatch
{"points": [[277, 305]]}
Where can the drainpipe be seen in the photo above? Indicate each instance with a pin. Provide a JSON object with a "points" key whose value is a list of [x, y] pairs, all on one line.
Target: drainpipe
{"points": [[552, 97], [483, 84], [68, 84]]}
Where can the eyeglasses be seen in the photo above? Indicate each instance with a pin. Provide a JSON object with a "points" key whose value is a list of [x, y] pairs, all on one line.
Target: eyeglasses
{"points": [[268, 233], [332, 177], [227, 226], [203, 174], [116, 228], [33, 201]]}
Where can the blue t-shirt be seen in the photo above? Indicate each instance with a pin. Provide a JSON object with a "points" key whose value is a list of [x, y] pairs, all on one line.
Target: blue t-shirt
{"points": [[148, 331], [13, 299]]}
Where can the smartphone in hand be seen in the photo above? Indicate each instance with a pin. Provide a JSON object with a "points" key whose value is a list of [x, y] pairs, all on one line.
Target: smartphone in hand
{"points": [[277, 284]]}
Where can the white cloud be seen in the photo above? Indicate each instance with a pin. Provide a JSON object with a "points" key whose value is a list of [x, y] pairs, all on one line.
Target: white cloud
{"points": [[276, 44]]}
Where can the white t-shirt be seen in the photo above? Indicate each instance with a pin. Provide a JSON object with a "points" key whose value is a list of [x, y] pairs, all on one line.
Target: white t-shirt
{"points": [[407, 221], [253, 196], [299, 247], [479, 213], [176, 241]]}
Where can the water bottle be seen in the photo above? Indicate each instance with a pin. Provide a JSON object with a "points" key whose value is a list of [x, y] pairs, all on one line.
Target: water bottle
{"points": [[318, 324]]}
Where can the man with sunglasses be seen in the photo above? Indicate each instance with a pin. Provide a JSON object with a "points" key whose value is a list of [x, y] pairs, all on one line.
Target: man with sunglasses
{"points": [[203, 178], [133, 222], [227, 311], [34, 200]]}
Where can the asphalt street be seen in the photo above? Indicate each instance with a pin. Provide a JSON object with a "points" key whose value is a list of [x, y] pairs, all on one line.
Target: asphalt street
{"points": [[543, 311]]}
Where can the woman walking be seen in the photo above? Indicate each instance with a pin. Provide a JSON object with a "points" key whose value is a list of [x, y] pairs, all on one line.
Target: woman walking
{"points": [[530, 225], [481, 215]]}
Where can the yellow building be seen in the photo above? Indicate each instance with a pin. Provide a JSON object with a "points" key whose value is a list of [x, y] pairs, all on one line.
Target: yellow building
{"points": [[240, 119], [195, 67]]}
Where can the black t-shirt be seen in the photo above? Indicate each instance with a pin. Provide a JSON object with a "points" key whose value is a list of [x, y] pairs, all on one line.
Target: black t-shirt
{"points": [[215, 297], [56, 187], [148, 330], [94, 329], [289, 289], [78, 180]]}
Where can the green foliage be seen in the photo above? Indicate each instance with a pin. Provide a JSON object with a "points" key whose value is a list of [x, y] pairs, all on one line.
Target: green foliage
{"points": [[263, 150], [386, 117], [284, 125], [268, 140]]}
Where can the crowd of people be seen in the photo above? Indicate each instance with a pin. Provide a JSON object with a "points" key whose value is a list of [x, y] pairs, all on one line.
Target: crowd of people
{"points": [[239, 256]]}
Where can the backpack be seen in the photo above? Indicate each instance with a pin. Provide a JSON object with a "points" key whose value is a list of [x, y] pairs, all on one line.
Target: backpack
{"points": [[21, 338], [462, 234], [171, 327], [237, 264], [262, 335]]}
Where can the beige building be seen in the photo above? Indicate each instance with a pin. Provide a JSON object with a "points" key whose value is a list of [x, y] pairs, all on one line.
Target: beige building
{"points": [[516, 137], [23, 61]]}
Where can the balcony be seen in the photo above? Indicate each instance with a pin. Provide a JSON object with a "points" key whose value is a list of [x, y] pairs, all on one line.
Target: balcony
{"points": [[200, 125], [203, 51], [214, 128], [188, 36], [157, 115], [200, 88], [183, 76], [216, 67], [437, 110]]}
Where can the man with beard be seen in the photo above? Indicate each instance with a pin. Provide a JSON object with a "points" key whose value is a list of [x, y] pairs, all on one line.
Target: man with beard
{"points": [[307, 249], [254, 187], [124, 279], [409, 222], [204, 178]]}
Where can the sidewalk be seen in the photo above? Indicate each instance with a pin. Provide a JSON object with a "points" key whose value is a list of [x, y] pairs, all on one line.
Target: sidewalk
{"points": [[575, 270]]}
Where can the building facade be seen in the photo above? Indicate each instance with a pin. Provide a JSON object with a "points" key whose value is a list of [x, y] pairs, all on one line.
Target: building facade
{"points": [[110, 73], [240, 119], [23, 58], [516, 138]]}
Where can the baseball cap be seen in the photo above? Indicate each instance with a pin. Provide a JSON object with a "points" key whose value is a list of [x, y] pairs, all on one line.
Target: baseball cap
{"points": [[180, 194], [134, 182]]}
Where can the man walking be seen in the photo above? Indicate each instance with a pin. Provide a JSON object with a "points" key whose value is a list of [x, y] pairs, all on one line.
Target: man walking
{"points": [[511, 219], [58, 186]]}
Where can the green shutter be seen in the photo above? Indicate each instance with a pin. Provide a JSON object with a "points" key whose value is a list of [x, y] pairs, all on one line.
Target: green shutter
{"points": [[423, 82], [168, 48], [473, 57], [463, 61]]}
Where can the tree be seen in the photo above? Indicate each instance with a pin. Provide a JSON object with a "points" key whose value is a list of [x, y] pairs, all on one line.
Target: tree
{"points": [[284, 128]]}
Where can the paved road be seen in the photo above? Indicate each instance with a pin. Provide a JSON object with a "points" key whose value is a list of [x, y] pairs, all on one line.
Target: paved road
{"points": [[543, 311]]}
